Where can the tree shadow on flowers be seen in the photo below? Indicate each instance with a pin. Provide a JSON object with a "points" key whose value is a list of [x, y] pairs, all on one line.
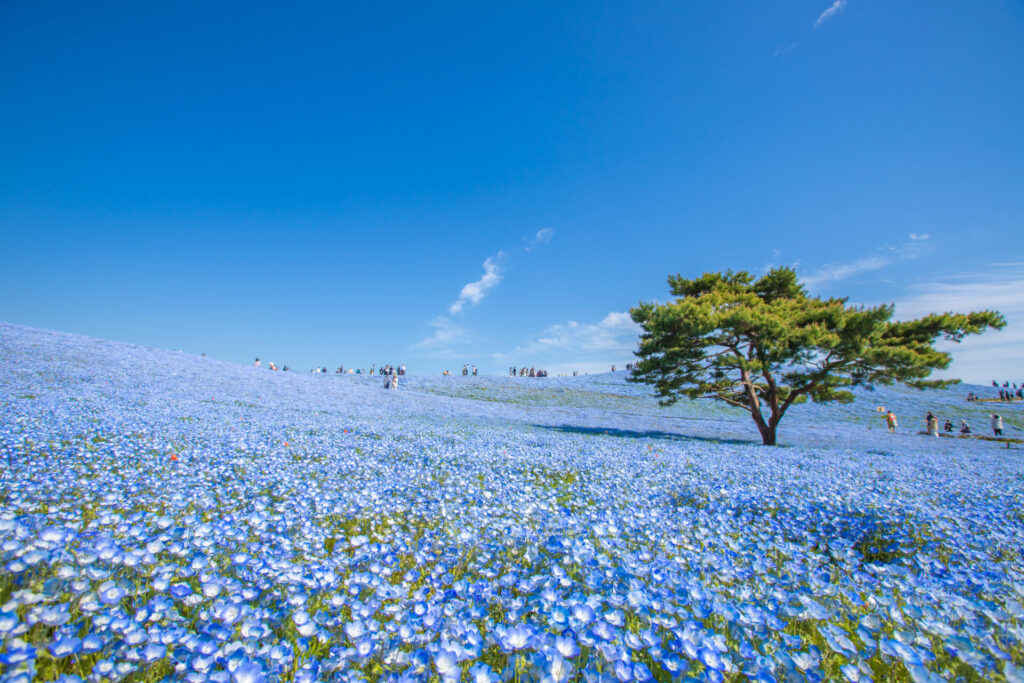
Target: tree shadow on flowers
{"points": [[644, 434]]}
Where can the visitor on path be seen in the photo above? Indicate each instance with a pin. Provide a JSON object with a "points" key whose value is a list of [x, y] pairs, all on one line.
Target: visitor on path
{"points": [[997, 424], [933, 424], [890, 421], [964, 427], [394, 380], [948, 426], [257, 363], [474, 371]]}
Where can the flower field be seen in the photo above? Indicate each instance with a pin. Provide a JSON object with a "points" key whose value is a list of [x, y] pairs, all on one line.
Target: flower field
{"points": [[168, 516]]}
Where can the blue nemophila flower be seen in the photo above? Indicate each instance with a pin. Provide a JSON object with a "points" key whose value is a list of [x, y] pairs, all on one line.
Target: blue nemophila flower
{"points": [[566, 646], [583, 613], [54, 616], [65, 647], [111, 594], [92, 642], [355, 629], [482, 673], [16, 655], [805, 661], [447, 665], [641, 672], [153, 651], [8, 620], [365, 647], [516, 638], [180, 590], [248, 671], [558, 670]]}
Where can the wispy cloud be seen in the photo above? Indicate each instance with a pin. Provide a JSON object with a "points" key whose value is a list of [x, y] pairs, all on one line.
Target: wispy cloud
{"points": [[833, 9], [445, 334], [543, 236], [784, 49], [841, 271], [472, 293], [995, 354], [832, 272], [616, 333], [446, 331]]}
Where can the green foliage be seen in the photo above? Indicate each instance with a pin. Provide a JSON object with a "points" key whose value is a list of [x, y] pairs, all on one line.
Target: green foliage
{"points": [[764, 344]]}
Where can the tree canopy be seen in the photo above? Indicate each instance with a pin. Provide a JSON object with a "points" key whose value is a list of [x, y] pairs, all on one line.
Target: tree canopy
{"points": [[764, 345]]}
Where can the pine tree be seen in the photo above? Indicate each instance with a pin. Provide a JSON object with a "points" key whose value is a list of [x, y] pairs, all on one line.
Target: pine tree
{"points": [[764, 344]]}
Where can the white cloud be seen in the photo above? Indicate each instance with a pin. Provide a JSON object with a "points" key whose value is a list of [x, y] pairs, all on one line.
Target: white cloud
{"points": [[832, 10], [833, 272], [615, 335], [780, 51], [996, 354], [474, 292], [444, 335], [543, 236], [841, 271]]}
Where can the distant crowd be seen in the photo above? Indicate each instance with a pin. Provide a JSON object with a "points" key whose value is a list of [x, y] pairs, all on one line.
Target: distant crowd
{"points": [[931, 422], [388, 370], [270, 365], [1009, 391], [528, 372], [399, 370]]}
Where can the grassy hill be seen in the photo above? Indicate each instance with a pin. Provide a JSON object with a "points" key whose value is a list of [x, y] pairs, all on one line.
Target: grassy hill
{"points": [[166, 516]]}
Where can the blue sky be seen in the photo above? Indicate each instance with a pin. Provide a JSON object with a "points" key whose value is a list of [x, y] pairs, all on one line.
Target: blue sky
{"points": [[439, 184]]}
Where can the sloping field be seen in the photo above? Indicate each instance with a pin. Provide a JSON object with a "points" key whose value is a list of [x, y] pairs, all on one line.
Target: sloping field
{"points": [[165, 516]]}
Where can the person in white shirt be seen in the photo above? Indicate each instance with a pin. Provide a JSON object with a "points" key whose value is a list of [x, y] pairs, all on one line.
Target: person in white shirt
{"points": [[997, 425]]}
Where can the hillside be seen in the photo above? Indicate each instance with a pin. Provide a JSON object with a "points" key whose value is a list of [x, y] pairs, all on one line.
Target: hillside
{"points": [[171, 516]]}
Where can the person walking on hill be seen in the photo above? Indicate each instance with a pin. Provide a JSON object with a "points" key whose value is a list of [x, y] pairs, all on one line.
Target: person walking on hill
{"points": [[890, 421], [965, 428], [997, 425], [933, 424]]}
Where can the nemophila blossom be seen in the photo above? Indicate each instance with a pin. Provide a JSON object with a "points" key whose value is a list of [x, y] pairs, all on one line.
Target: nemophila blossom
{"points": [[566, 646], [482, 673], [65, 646], [17, 654], [54, 616], [526, 535], [8, 620]]}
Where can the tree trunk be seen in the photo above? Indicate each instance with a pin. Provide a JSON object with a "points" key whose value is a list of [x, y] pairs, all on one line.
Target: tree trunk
{"points": [[767, 429], [768, 436]]}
